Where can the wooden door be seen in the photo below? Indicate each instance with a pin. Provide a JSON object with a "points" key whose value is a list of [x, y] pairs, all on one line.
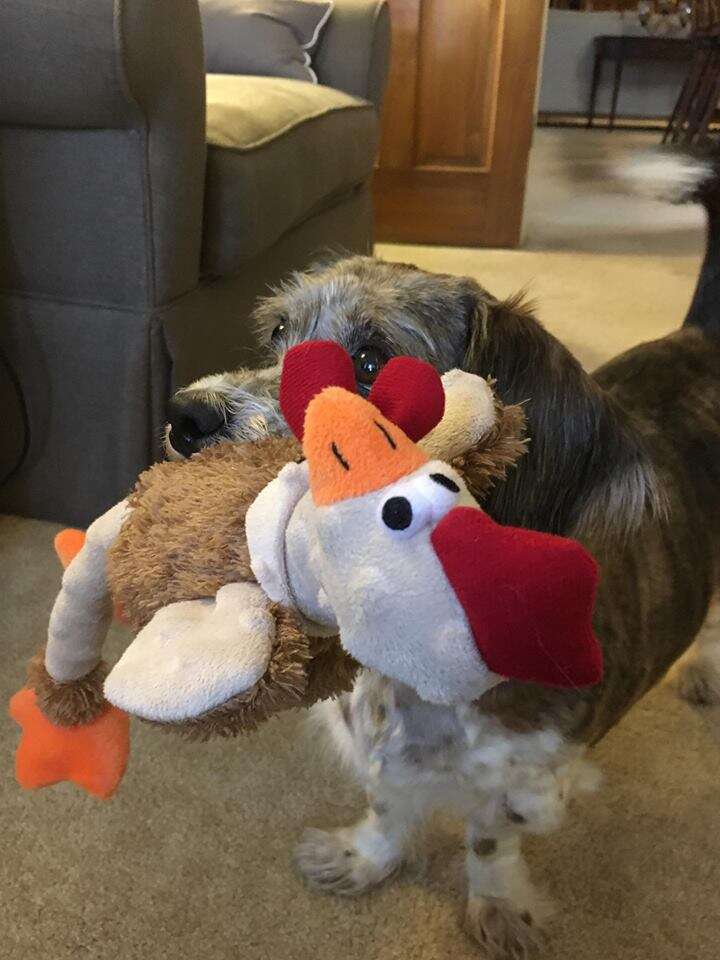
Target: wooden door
{"points": [[457, 121]]}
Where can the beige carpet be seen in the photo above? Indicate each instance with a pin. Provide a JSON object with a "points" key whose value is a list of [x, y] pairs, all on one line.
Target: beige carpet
{"points": [[191, 859]]}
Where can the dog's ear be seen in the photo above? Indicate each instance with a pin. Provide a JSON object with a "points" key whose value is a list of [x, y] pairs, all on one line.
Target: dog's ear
{"points": [[585, 469], [326, 257]]}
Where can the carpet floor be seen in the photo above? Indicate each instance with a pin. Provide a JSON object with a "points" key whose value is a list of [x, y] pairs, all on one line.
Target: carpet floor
{"points": [[192, 857]]}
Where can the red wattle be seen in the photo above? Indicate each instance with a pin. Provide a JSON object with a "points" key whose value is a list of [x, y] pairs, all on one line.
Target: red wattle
{"points": [[528, 597]]}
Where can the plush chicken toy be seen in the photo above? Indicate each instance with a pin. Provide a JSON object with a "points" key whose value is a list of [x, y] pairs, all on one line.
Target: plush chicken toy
{"points": [[239, 572], [388, 546]]}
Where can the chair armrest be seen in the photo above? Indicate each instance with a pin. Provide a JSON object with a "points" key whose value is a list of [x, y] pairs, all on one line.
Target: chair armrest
{"points": [[354, 50], [96, 64], [134, 68]]}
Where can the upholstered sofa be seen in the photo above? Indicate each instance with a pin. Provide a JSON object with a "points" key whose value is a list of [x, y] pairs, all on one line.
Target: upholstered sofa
{"points": [[143, 208]]}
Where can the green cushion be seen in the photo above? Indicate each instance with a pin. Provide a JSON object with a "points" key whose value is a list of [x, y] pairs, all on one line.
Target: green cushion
{"points": [[278, 151]]}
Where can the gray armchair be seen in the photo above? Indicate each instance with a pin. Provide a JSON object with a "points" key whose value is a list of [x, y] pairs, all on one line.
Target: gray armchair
{"points": [[143, 210]]}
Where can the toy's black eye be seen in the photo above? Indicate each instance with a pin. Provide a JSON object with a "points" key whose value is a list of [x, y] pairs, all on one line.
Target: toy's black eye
{"points": [[278, 331], [369, 361], [397, 513]]}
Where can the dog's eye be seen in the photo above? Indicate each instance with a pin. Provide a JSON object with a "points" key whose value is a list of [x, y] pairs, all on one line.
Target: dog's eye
{"points": [[369, 361], [278, 331]]}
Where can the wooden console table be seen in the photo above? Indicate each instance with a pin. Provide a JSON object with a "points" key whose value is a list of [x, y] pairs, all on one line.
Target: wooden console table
{"points": [[619, 50]]}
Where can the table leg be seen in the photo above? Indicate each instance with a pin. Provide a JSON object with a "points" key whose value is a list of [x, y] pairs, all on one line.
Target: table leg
{"points": [[689, 93], [679, 108], [597, 68], [616, 90], [707, 101]]}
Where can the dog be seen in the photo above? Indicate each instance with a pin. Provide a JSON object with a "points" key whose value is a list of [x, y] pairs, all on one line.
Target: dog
{"points": [[626, 460]]}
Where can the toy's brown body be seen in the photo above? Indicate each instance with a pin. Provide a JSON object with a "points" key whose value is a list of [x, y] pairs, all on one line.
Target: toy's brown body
{"points": [[185, 537]]}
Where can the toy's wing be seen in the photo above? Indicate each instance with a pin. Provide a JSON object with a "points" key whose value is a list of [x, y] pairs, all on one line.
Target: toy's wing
{"points": [[528, 597], [195, 655]]}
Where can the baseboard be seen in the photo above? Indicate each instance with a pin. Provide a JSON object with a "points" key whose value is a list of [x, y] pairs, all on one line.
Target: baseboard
{"points": [[601, 121]]}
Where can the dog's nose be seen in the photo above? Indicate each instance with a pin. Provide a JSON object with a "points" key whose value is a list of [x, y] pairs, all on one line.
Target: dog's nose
{"points": [[192, 423]]}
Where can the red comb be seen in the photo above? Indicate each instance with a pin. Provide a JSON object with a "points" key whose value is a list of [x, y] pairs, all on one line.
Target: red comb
{"points": [[307, 369], [409, 392]]}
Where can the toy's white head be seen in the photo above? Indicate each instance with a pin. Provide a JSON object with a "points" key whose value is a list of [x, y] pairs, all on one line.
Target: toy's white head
{"points": [[423, 586], [395, 608]]}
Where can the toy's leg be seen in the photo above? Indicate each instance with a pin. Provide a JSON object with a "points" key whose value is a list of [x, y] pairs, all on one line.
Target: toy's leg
{"points": [[69, 730], [82, 612], [502, 907], [699, 673]]}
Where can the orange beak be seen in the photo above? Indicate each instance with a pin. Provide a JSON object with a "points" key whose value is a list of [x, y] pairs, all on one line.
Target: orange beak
{"points": [[352, 449]]}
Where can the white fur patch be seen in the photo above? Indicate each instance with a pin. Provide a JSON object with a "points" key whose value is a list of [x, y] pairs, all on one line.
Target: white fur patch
{"points": [[195, 655], [414, 755], [672, 177]]}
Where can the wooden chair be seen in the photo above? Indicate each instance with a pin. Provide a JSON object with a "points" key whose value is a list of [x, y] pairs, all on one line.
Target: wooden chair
{"points": [[706, 18], [697, 103]]}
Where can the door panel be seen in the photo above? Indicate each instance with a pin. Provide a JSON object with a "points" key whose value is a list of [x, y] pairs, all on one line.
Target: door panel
{"points": [[457, 121], [452, 41]]}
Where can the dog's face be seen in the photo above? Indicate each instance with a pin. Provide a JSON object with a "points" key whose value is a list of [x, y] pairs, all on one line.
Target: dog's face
{"points": [[374, 310], [583, 466]]}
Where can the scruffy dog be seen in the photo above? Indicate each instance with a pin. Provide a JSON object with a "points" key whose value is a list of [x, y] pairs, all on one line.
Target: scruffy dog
{"points": [[626, 460]]}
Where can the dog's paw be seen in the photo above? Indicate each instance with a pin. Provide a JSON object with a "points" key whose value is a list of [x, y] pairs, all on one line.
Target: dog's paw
{"points": [[330, 861], [698, 682], [502, 930]]}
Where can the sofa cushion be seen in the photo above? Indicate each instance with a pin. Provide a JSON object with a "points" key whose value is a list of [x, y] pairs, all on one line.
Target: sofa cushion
{"points": [[279, 151]]}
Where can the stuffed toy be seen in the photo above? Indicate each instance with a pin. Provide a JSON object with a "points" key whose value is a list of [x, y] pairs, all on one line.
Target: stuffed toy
{"points": [[239, 567]]}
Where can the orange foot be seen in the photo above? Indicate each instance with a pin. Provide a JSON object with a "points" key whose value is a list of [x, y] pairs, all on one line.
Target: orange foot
{"points": [[93, 756], [68, 544]]}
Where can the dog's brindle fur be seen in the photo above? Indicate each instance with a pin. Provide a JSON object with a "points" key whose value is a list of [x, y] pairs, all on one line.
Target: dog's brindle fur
{"points": [[627, 461]]}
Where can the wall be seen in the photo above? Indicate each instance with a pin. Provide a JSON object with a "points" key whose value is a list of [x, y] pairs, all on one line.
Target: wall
{"points": [[648, 89]]}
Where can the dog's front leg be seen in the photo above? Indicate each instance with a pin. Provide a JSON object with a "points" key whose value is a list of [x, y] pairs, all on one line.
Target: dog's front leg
{"points": [[366, 730], [350, 860], [503, 908]]}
